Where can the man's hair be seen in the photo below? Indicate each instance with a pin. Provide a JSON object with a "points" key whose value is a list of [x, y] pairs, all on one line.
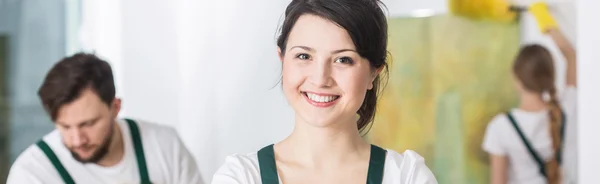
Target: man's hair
{"points": [[72, 75]]}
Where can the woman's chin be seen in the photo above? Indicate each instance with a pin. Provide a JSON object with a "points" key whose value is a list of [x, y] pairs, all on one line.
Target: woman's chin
{"points": [[329, 121]]}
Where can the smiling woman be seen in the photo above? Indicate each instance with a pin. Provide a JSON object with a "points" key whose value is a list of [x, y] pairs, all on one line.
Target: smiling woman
{"points": [[333, 54]]}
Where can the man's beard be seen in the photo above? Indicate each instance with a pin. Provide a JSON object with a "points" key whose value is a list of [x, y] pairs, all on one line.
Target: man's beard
{"points": [[100, 152]]}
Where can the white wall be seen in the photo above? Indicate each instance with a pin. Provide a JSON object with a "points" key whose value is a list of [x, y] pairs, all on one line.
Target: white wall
{"points": [[251, 109], [588, 75], [228, 65], [100, 32], [204, 67]]}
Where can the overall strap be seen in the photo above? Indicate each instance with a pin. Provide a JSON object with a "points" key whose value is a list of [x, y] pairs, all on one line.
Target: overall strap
{"points": [[562, 137], [139, 151], [376, 165], [532, 152], [268, 168], [52, 157]]}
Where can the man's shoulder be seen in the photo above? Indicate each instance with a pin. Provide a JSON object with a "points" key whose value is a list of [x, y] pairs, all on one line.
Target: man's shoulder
{"points": [[28, 157], [162, 135], [152, 128], [31, 165], [33, 153]]}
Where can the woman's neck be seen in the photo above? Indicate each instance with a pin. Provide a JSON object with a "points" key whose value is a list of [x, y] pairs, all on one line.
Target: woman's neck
{"points": [[532, 102], [319, 147]]}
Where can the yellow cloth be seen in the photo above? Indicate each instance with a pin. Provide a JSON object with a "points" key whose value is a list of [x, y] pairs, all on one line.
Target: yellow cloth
{"points": [[497, 10], [500, 11], [544, 19]]}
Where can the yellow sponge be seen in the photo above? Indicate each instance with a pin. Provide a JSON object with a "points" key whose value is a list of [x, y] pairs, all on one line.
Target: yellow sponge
{"points": [[498, 10], [545, 21]]}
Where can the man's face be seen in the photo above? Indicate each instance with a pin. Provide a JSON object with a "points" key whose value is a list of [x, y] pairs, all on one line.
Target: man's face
{"points": [[87, 126]]}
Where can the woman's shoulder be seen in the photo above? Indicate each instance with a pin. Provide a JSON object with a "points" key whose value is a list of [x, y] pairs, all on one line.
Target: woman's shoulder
{"points": [[499, 123], [245, 160], [407, 167], [239, 169], [407, 156]]}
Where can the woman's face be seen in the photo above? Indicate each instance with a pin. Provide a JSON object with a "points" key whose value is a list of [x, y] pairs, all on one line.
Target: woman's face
{"points": [[324, 78]]}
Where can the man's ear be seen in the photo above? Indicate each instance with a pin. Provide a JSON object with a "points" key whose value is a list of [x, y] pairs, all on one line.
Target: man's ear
{"points": [[116, 107]]}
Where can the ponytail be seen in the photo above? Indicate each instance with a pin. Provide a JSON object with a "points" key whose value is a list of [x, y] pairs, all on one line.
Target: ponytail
{"points": [[552, 167]]}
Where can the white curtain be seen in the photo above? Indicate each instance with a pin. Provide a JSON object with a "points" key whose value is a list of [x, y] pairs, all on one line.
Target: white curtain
{"points": [[207, 68]]}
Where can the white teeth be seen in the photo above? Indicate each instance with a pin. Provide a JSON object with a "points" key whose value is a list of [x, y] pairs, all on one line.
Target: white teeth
{"points": [[318, 98]]}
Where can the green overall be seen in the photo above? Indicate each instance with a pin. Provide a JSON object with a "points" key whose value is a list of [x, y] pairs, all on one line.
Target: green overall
{"points": [[536, 156], [268, 169], [137, 144]]}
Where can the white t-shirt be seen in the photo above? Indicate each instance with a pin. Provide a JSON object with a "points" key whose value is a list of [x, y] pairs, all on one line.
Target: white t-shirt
{"points": [[501, 138], [167, 160], [406, 168]]}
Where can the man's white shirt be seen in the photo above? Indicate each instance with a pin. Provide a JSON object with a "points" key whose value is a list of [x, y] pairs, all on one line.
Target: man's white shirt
{"points": [[167, 160]]}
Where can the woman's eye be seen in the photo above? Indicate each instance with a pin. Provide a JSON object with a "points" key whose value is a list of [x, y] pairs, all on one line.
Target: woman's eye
{"points": [[344, 60], [303, 56]]}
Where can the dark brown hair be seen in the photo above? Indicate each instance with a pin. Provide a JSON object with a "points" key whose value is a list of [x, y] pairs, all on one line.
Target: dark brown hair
{"points": [[534, 67], [70, 76], [365, 22]]}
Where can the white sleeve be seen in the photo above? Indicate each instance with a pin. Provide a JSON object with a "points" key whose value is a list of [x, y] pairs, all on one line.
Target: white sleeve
{"points": [[19, 175], [492, 141], [420, 174], [188, 170], [568, 100], [236, 170]]}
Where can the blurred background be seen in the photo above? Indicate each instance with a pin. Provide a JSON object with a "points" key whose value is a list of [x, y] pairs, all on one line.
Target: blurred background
{"points": [[209, 69]]}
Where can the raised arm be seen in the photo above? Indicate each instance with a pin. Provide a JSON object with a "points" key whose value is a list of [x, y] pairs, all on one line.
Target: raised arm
{"points": [[570, 55], [548, 25]]}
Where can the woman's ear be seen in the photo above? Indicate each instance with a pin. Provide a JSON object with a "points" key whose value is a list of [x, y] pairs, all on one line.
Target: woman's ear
{"points": [[374, 75], [279, 54]]}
